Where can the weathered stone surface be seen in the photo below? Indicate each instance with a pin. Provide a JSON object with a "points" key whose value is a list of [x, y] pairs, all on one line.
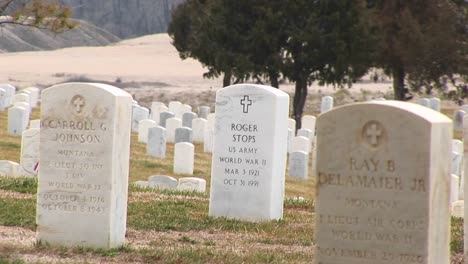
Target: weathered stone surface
{"points": [[83, 175], [183, 134], [9, 168], [327, 104], [192, 184], [162, 182], [383, 184], [156, 146], [29, 161], [298, 164]]}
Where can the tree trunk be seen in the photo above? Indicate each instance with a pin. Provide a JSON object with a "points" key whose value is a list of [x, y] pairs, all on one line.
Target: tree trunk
{"points": [[274, 79], [398, 74], [300, 96], [227, 78]]}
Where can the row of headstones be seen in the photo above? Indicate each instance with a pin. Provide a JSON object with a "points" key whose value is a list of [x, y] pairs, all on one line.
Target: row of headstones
{"points": [[301, 145], [382, 186], [173, 124], [19, 106], [190, 128], [163, 182], [160, 113]]}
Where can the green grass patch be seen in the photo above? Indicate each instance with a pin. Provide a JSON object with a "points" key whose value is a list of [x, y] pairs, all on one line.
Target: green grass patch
{"points": [[21, 185], [18, 212], [180, 215], [188, 254], [190, 215], [6, 260], [10, 145], [456, 243], [137, 188], [154, 165]]}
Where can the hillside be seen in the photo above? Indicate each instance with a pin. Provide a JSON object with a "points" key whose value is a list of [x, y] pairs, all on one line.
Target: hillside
{"points": [[19, 38], [123, 18]]}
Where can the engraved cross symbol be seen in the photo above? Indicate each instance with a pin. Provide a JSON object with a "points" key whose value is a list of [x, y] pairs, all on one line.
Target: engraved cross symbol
{"points": [[78, 102], [374, 133], [246, 102]]}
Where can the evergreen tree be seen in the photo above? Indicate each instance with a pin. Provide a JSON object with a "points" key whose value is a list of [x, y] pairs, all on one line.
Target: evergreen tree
{"points": [[327, 42], [422, 41]]}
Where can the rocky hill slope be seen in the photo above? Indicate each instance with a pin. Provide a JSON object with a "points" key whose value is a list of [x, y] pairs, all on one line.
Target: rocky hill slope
{"points": [[125, 18], [101, 22], [19, 38]]}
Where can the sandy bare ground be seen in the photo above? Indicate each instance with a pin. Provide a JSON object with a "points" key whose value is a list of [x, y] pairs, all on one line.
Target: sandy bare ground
{"points": [[149, 59]]}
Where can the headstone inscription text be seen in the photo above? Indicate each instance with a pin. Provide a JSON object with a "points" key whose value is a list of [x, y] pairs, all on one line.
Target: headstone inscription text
{"points": [[383, 184], [249, 155], [83, 172]]}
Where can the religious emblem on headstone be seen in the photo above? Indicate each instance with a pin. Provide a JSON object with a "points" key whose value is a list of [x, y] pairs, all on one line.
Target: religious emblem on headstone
{"points": [[373, 134], [246, 102], [78, 103]]}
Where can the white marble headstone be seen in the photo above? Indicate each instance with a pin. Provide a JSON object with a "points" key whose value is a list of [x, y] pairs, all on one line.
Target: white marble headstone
{"points": [[164, 116], [198, 128], [192, 184], [327, 104], [300, 143], [383, 184], [298, 164], [155, 110], [17, 120], [143, 127], [183, 134], [187, 119], [454, 188], [425, 102], [249, 155], [10, 93], [3, 99], [156, 146], [138, 113], [22, 97], [203, 111], [162, 182], [84, 168], [185, 108], [304, 132], [184, 153], [457, 146], [171, 125], [9, 168], [34, 95], [308, 122], [142, 184], [174, 107], [434, 104], [208, 136], [292, 125], [458, 120], [29, 162]]}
